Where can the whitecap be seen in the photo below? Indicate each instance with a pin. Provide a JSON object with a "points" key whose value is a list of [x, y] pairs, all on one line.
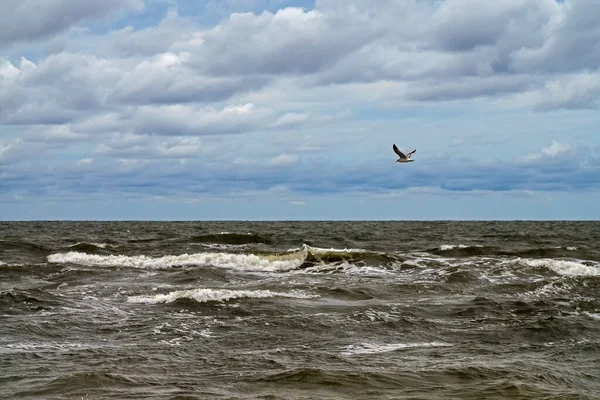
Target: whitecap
{"points": [[564, 267], [249, 262], [331, 250], [374, 348], [101, 245], [205, 295], [346, 268], [446, 247]]}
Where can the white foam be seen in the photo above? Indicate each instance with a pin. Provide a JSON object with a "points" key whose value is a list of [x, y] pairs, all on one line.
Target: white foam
{"points": [[205, 295], [564, 267], [446, 247], [41, 346], [222, 246], [592, 315], [320, 250], [249, 262], [346, 268], [101, 245], [374, 348], [15, 265]]}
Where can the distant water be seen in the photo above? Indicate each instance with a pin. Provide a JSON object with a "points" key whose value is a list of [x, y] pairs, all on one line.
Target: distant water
{"points": [[300, 310]]}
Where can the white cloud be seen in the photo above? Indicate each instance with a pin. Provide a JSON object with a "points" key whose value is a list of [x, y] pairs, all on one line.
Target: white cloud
{"points": [[85, 161], [8, 71], [291, 119], [554, 149], [284, 159], [150, 147], [573, 91]]}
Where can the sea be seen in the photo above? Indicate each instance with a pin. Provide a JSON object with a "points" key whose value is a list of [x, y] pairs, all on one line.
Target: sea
{"points": [[300, 310]]}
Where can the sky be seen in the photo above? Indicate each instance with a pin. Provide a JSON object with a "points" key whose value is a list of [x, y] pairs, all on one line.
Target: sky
{"points": [[287, 110]]}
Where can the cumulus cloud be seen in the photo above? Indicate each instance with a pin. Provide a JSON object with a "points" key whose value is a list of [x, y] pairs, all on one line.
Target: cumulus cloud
{"points": [[166, 78], [289, 41]]}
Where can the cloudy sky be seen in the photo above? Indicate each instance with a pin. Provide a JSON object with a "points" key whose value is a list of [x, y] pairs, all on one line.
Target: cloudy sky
{"points": [[287, 109]]}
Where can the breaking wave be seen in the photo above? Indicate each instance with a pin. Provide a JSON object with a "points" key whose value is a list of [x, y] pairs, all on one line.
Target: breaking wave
{"points": [[564, 267], [216, 295], [250, 262], [303, 257], [320, 260]]}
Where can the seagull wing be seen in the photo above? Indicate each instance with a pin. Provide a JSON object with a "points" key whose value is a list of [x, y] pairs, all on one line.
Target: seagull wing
{"points": [[411, 153], [397, 151]]}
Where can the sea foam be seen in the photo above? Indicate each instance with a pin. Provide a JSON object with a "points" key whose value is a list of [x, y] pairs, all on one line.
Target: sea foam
{"points": [[446, 247], [205, 295], [249, 262], [373, 348], [564, 267]]}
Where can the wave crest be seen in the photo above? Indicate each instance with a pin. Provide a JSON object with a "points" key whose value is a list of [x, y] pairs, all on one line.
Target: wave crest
{"points": [[216, 295], [250, 262], [564, 267]]}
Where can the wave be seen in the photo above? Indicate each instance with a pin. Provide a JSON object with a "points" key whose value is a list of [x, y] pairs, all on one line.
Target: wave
{"points": [[301, 258], [464, 250], [17, 300], [232, 238], [22, 246], [446, 247], [100, 245], [317, 255], [38, 347], [86, 247], [346, 268], [564, 267], [373, 348], [320, 260], [249, 262], [213, 295]]}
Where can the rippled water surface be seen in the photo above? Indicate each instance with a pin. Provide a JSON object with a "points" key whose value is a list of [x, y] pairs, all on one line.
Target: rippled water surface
{"points": [[300, 310]]}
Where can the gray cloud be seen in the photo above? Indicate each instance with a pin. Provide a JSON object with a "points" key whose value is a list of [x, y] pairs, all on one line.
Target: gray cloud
{"points": [[149, 110], [144, 165], [37, 19], [570, 40], [179, 120]]}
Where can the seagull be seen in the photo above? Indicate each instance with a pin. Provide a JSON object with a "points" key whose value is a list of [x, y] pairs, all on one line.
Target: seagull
{"points": [[403, 157]]}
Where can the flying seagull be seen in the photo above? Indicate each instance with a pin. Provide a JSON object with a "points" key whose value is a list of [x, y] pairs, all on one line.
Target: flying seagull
{"points": [[403, 157]]}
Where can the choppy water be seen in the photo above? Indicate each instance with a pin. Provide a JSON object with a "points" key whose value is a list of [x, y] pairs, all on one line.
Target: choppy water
{"points": [[300, 310]]}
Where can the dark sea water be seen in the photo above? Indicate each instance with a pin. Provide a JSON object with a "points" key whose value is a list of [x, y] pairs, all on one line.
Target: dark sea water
{"points": [[300, 310]]}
